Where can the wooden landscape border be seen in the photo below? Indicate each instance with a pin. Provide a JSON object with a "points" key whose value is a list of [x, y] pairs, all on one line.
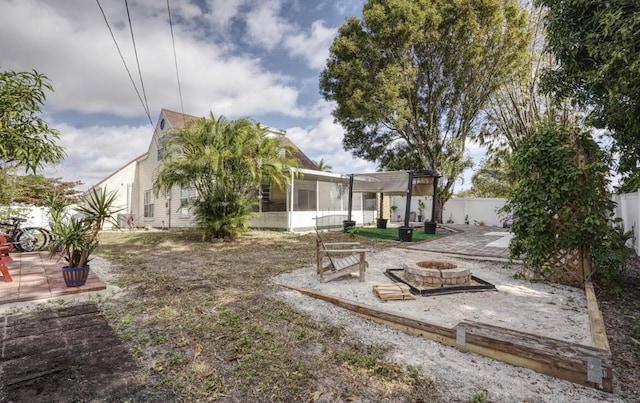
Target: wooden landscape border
{"points": [[585, 365]]}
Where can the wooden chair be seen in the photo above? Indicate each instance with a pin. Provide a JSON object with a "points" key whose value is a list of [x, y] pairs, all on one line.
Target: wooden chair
{"points": [[343, 259], [5, 258]]}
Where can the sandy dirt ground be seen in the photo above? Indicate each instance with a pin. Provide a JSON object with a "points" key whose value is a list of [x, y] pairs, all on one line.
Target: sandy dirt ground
{"points": [[543, 309]]}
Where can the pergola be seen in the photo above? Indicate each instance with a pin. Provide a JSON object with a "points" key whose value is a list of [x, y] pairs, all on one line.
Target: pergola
{"points": [[398, 183]]}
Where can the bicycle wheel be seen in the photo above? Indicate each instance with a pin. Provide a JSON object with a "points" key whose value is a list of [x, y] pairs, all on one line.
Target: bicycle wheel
{"points": [[33, 239]]}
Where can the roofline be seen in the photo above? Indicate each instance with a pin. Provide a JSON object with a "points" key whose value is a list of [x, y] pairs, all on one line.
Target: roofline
{"points": [[136, 159]]}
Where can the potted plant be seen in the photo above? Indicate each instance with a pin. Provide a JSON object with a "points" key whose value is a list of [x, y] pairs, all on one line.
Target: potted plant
{"points": [[381, 222], [393, 211], [420, 210], [75, 237]]}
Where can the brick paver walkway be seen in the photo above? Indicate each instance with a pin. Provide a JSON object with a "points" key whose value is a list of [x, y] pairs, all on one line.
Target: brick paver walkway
{"points": [[470, 240]]}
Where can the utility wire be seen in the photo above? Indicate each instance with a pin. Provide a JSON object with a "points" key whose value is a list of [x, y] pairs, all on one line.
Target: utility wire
{"points": [[125, 63], [135, 50], [175, 61]]}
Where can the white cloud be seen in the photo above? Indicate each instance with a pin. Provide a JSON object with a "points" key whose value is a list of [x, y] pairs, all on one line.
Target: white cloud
{"points": [[313, 46], [324, 141], [72, 45], [222, 13], [265, 26], [97, 151]]}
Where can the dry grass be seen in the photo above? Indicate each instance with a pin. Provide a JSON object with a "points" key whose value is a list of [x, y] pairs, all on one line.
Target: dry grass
{"points": [[199, 319]]}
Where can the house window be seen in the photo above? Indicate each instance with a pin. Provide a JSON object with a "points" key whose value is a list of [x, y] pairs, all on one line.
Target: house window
{"points": [[305, 196], [265, 193], [369, 201], [148, 204], [184, 201]]}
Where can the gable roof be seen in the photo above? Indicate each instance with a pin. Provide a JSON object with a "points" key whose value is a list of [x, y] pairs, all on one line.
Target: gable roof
{"points": [[177, 120], [305, 162]]}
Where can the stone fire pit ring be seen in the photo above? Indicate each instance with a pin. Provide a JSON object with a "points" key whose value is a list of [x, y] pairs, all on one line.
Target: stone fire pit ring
{"points": [[434, 273]]}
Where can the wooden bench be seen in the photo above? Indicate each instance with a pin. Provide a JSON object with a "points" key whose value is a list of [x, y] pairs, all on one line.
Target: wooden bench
{"points": [[5, 258], [343, 259]]}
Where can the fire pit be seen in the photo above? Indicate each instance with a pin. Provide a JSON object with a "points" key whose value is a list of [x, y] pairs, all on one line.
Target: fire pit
{"points": [[433, 273]]}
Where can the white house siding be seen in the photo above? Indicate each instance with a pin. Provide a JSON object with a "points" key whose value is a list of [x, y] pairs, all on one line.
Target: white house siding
{"points": [[121, 182]]}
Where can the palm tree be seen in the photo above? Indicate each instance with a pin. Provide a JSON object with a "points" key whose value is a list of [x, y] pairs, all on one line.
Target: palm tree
{"points": [[322, 166], [225, 161]]}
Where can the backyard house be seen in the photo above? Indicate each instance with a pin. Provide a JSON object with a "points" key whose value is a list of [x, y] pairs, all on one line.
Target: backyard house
{"points": [[314, 198]]}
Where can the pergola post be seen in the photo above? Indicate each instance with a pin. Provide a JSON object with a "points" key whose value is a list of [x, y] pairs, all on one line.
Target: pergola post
{"points": [[348, 223], [430, 227], [405, 233]]}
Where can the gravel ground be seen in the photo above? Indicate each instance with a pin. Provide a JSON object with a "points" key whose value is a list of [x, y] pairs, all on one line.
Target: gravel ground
{"points": [[548, 310]]}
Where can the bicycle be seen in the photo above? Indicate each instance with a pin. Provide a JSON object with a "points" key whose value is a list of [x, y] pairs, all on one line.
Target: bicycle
{"points": [[28, 239]]}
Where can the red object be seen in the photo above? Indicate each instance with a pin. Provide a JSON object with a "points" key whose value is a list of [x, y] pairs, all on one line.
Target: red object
{"points": [[5, 258]]}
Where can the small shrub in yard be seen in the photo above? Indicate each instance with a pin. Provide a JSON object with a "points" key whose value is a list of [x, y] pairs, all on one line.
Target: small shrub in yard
{"points": [[353, 233], [611, 258], [480, 395]]}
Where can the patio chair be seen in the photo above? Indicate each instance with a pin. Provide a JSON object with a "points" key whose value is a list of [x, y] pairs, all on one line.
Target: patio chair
{"points": [[337, 259]]}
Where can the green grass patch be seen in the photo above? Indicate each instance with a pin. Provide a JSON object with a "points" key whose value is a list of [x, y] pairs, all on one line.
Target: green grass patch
{"points": [[392, 234]]}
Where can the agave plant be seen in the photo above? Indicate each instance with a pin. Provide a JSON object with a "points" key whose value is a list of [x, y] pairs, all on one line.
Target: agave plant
{"points": [[75, 237]]}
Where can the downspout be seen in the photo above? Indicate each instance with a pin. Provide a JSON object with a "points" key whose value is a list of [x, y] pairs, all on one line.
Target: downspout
{"points": [[169, 210], [434, 203], [350, 197], [129, 186], [291, 200]]}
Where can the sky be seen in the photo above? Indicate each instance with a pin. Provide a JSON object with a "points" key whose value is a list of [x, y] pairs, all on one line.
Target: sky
{"points": [[259, 59]]}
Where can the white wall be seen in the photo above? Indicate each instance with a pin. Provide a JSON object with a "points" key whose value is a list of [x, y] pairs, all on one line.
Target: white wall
{"points": [[122, 183], [36, 216], [628, 209], [476, 209]]}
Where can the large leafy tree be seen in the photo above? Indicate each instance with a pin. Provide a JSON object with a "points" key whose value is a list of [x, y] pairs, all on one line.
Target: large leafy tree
{"points": [[411, 78], [597, 47], [516, 111], [26, 139], [35, 189], [225, 161], [490, 180]]}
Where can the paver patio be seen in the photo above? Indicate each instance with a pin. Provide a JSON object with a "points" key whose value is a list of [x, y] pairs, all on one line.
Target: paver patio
{"points": [[35, 277]]}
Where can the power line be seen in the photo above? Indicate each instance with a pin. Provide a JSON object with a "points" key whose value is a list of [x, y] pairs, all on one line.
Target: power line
{"points": [[125, 63], [175, 60], [135, 51]]}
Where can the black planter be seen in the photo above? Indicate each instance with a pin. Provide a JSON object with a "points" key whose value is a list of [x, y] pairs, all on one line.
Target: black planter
{"points": [[381, 223], [405, 234], [346, 224], [429, 227]]}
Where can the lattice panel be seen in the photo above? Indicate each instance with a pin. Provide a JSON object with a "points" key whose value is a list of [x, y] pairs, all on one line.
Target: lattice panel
{"points": [[570, 267]]}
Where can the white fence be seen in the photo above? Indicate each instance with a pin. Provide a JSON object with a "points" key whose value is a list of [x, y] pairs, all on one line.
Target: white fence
{"points": [[36, 216], [456, 210], [628, 209], [473, 211]]}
